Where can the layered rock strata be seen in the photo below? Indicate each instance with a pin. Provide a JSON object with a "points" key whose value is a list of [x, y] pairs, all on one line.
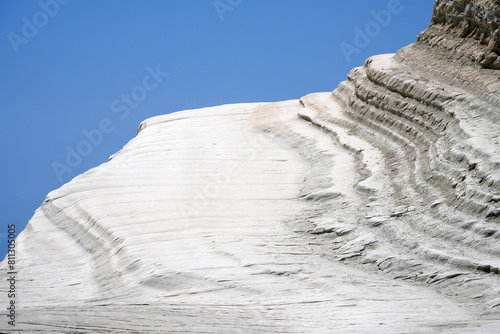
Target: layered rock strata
{"points": [[468, 28], [372, 208]]}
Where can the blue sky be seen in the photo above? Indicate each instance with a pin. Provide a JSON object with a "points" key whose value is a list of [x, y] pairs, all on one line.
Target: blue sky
{"points": [[79, 76]]}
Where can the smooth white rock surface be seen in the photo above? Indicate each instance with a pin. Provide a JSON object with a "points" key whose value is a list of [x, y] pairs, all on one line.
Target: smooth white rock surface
{"points": [[219, 220], [371, 209]]}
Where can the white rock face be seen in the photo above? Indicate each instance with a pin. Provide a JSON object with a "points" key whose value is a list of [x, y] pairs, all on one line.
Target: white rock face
{"points": [[374, 208]]}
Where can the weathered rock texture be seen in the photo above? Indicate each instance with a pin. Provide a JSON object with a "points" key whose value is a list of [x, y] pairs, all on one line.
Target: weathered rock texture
{"points": [[374, 208], [470, 28]]}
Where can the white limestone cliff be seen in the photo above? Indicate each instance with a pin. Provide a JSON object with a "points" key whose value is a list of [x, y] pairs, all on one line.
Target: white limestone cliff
{"points": [[374, 208]]}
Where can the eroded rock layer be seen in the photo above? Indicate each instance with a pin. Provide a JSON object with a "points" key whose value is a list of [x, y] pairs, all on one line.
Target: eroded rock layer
{"points": [[374, 208], [470, 28]]}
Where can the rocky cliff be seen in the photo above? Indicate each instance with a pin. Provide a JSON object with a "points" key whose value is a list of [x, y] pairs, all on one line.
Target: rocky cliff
{"points": [[469, 28], [372, 208]]}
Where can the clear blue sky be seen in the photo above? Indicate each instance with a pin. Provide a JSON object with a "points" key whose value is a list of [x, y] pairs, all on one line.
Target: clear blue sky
{"points": [[73, 66]]}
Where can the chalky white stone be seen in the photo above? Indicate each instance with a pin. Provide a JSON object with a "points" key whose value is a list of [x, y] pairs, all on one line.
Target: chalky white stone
{"points": [[374, 208]]}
